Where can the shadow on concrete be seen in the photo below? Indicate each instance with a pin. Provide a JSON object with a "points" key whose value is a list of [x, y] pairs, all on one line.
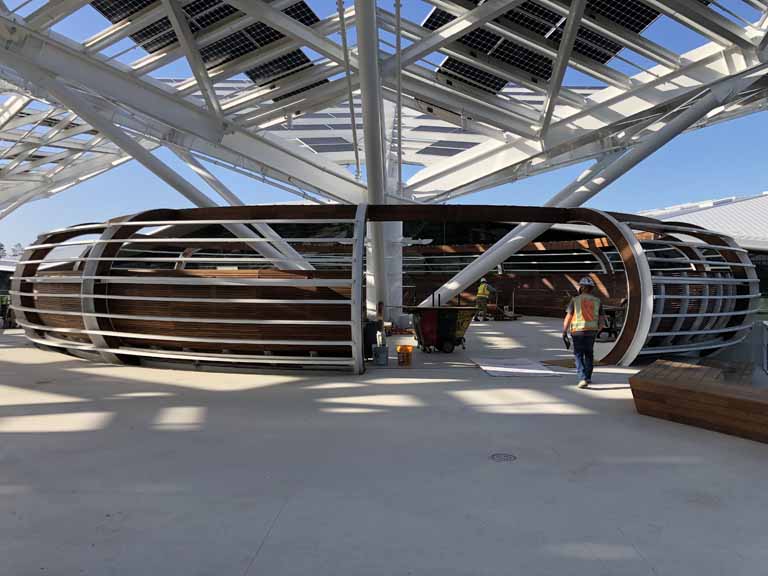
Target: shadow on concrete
{"points": [[125, 470]]}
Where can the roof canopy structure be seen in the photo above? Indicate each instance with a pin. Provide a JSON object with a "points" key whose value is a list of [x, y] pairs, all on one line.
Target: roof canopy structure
{"points": [[474, 94], [480, 85]]}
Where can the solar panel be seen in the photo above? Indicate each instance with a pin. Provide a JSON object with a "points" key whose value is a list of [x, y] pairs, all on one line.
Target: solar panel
{"points": [[328, 144], [116, 10], [446, 148], [535, 18], [279, 67], [205, 13], [630, 14], [461, 71], [539, 20], [428, 128], [300, 90], [525, 59]]}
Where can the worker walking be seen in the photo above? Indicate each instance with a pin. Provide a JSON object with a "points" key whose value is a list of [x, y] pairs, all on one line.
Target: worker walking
{"points": [[481, 300], [584, 318]]}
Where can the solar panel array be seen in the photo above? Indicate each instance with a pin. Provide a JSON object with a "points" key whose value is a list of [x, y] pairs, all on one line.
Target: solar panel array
{"points": [[205, 13], [447, 148], [328, 144], [549, 26]]}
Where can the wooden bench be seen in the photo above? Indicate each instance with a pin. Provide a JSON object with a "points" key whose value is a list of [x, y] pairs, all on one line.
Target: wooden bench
{"points": [[709, 394]]}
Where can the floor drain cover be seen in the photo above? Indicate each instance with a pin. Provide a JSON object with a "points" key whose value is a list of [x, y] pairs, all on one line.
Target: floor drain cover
{"points": [[501, 457]]}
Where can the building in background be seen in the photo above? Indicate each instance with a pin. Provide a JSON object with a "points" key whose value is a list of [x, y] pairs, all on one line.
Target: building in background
{"points": [[744, 218]]}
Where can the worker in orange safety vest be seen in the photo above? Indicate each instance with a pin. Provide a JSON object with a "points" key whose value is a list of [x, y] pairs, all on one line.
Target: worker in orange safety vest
{"points": [[584, 319]]}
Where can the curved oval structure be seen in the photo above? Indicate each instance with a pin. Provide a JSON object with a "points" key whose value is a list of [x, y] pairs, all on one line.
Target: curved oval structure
{"points": [[185, 286]]}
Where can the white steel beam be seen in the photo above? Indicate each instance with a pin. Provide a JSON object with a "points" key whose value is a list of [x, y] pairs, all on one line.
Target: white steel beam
{"points": [[59, 180], [483, 62], [619, 34], [561, 63], [222, 30], [128, 26], [185, 121], [40, 141], [53, 12], [468, 104], [705, 21], [590, 183], [32, 117], [49, 137], [343, 32], [281, 86], [451, 31], [233, 200], [154, 165], [527, 169], [29, 166], [11, 107], [508, 30], [291, 27], [178, 19], [610, 110], [373, 126]]}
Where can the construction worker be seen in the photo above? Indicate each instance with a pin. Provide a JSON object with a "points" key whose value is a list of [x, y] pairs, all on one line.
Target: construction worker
{"points": [[481, 300], [584, 318]]}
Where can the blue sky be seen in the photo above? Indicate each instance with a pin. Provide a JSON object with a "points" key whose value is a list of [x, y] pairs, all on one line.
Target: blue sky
{"points": [[723, 160]]}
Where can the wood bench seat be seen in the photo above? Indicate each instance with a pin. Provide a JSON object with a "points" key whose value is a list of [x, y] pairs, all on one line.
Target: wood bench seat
{"points": [[708, 394]]}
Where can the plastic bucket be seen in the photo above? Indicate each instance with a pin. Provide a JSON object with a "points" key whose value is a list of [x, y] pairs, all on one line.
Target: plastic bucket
{"points": [[404, 355]]}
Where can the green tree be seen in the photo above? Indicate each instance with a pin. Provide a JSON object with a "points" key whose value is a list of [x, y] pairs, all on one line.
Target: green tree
{"points": [[3, 253], [17, 250]]}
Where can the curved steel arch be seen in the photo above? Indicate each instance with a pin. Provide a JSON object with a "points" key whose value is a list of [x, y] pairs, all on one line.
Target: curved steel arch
{"points": [[154, 309]]}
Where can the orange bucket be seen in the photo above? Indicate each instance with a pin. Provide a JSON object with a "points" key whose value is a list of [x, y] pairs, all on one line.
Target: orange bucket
{"points": [[404, 355]]}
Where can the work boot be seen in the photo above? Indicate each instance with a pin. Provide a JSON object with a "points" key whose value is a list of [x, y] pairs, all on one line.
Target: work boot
{"points": [[582, 384]]}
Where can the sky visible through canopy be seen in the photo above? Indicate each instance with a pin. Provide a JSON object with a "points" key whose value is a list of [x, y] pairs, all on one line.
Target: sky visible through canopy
{"points": [[724, 160]]}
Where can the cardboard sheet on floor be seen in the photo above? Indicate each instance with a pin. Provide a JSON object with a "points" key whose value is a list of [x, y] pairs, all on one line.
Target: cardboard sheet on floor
{"points": [[515, 367]]}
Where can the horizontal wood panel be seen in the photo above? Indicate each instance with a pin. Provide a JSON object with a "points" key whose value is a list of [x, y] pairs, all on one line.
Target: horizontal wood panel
{"points": [[60, 321], [239, 331], [233, 292], [231, 311], [285, 349], [703, 419]]}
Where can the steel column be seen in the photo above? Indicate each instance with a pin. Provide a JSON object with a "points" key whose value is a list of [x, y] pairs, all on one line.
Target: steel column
{"points": [[368, 47]]}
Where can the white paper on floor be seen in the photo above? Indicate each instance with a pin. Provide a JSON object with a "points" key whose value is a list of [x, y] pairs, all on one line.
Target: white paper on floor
{"points": [[515, 367]]}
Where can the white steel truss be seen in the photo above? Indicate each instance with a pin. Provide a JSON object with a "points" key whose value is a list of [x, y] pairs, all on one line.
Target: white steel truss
{"points": [[483, 88]]}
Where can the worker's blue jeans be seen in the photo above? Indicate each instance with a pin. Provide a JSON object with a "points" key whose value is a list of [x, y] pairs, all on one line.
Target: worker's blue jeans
{"points": [[583, 351]]}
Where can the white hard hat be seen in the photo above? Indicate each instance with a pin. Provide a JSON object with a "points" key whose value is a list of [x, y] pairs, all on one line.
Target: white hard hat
{"points": [[586, 281], [483, 281]]}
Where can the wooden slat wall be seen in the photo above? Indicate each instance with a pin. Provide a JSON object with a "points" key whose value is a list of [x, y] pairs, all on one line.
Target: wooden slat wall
{"points": [[542, 294]]}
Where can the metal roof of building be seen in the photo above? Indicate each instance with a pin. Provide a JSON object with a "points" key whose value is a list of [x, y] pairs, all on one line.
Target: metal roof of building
{"points": [[743, 218]]}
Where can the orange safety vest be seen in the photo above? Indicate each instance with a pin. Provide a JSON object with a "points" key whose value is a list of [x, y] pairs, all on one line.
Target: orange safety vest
{"points": [[483, 291], [586, 313]]}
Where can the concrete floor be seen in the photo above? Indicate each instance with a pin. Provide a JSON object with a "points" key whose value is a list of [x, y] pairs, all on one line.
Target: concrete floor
{"points": [[122, 471]]}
